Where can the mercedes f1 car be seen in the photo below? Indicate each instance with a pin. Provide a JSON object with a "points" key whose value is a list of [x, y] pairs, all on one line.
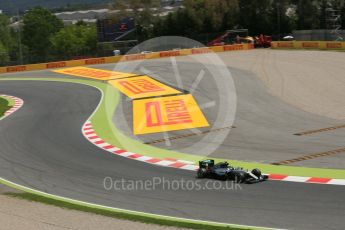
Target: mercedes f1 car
{"points": [[223, 171]]}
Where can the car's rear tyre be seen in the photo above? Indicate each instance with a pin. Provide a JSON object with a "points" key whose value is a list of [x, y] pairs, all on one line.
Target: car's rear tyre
{"points": [[257, 172], [201, 173]]}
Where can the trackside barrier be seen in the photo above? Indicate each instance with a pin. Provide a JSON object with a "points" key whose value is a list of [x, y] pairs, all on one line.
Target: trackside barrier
{"points": [[322, 45], [131, 57]]}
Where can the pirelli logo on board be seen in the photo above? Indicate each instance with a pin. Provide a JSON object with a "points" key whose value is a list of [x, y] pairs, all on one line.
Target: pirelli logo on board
{"points": [[170, 53], [167, 114], [98, 74], [16, 68], [333, 45], [285, 44], [142, 86], [310, 45], [133, 57], [202, 50], [55, 65], [95, 61]]}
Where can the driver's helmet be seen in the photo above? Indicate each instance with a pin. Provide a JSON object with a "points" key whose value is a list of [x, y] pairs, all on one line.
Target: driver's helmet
{"points": [[224, 164]]}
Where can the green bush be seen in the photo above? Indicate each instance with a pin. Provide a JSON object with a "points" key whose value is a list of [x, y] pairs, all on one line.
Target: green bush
{"points": [[4, 106], [4, 56]]}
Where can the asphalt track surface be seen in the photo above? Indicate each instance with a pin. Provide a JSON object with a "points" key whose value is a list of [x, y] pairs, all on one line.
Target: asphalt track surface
{"points": [[42, 148], [265, 124]]}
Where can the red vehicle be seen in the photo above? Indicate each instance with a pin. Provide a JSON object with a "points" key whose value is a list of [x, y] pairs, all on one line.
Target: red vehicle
{"points": [[241, 36], [263, 41], [231, 37]]}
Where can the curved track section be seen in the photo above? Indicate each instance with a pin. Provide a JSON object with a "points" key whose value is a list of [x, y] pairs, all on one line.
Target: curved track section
{"points": [[17, 104], [264, 123], [42, 148]]}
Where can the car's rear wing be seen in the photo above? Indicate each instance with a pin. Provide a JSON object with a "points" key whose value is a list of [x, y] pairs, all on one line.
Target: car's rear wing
{"points": [[206, 163]]}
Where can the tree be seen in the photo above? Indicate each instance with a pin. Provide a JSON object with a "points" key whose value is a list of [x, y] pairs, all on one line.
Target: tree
{"points": [[230, 18], [308, 14], [8, 41], [282, 16], [323, 13], [39, 25], [75, 40], [5, 32], [259, 17], [340, 5], [343, 17], [145, 23], [4, 57], [255, 16], [189, 22]]}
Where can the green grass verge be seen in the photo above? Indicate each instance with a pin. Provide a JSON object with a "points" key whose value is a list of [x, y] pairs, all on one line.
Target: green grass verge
{"points": [[10, 101], [118, 215], [37, 196], [102, 121], [5, 104]]}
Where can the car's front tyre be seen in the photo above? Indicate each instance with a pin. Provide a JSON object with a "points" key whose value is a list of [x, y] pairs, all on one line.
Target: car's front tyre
{"points": [[257, 172]]}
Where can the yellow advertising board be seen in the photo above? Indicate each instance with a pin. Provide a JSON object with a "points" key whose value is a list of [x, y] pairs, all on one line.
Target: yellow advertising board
{"points": [[141, 87], [315, 45], [98, 74], [107, 75], [167, 114]]}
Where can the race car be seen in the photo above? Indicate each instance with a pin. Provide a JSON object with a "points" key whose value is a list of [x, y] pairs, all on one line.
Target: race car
{"points": [[223, 171]]}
